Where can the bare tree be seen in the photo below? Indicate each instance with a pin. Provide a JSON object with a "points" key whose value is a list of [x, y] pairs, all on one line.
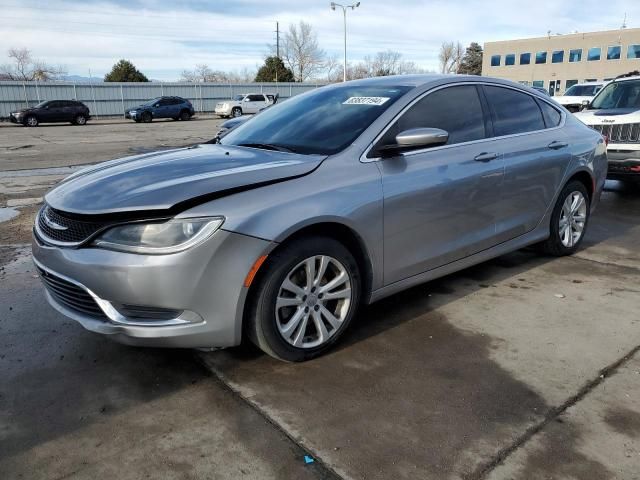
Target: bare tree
{"points": [[450, 55], [203, 73], [332, 67], [27, 68], [301, 52]]}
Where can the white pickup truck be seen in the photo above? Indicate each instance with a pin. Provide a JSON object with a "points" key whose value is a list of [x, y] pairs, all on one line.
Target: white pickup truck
{"points": [[245, 103]]}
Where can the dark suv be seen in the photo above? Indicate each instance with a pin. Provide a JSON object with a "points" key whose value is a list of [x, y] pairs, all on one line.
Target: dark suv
{"points": [[52, 111], [162, 107]]}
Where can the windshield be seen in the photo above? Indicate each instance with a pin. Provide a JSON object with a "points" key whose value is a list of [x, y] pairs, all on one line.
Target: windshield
{"points": [[582, 91], [625, 94], [238, 98], [324, 121], [151, 102]]}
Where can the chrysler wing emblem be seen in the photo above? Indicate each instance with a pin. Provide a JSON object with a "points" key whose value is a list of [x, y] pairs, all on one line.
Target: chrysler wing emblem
{"points": [[51, 224]]}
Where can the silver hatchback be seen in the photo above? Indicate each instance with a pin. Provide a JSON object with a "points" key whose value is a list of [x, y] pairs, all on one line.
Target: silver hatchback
{"points": [[336, 198]]}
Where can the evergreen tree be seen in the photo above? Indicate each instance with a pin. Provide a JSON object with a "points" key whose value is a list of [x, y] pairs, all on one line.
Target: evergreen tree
{"points": [[273, 69], [471, 63], [125, 71]]}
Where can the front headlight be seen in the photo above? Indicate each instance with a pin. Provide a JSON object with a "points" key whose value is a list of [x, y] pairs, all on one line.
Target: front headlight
{"points": [[159, 238]]}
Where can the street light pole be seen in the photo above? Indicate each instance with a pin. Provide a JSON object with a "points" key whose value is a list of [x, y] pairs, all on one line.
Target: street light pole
{"points": [[344, 14]]}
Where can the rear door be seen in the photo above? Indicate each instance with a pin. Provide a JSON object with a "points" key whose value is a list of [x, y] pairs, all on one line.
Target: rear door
{"points": [[440, 203], [536, 155]]}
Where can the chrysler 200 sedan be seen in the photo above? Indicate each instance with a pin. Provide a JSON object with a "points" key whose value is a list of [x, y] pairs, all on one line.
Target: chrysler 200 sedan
{"points": [[336, 198]]}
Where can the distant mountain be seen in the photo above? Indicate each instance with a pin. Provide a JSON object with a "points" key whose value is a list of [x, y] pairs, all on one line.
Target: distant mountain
{"points": [[80, 78]]}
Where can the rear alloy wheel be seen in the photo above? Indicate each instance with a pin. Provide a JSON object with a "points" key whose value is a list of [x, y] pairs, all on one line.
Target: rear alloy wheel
{"points": [[146, 117], [236, 112], [308, 294], [185, 115], [31, 121], [569, 220], [80, 120]]}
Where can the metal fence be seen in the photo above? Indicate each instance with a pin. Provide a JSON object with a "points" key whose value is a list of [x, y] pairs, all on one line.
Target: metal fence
{"points": [[109, 99]]}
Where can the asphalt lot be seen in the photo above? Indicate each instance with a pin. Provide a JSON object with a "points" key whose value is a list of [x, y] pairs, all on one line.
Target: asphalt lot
{"points": [[525, 367]]}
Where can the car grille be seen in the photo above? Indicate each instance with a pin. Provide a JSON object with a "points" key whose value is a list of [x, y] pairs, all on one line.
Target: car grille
{"points": [[58, 228], [620, 132], [70, 295]]}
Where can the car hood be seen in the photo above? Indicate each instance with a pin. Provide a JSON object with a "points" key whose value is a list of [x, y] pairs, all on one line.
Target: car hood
{"points": [[608, 116], [173, 180], [24, 110]]}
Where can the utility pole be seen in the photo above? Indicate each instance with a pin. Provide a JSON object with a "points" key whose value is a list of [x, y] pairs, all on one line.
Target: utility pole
{"points": [[277, 47], [344, 11]]}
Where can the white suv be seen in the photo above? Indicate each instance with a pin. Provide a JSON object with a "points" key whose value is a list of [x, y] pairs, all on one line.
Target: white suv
{"points": [[245, 103], [615, 113], [575, 95]]}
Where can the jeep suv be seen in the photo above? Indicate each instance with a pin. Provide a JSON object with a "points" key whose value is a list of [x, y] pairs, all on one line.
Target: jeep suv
{"points": [[615, 113], [575, 95], [52, 111], [162, 107]]}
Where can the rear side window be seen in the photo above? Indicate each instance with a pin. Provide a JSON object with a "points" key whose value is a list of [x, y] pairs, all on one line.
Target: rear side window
{"points": [[551, 116], [256, 98], [441, 109], [513, 111]]}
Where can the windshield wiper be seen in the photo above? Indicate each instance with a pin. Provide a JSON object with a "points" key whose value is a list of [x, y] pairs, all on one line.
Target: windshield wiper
{"points": [[268, 146]]}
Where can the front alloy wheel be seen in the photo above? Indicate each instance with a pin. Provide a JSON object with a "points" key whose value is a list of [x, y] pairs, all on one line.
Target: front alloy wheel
{"points": [[305, 296]]}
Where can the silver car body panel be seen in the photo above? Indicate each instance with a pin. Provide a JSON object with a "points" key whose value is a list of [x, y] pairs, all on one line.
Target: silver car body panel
{"points": [[417, 216]]}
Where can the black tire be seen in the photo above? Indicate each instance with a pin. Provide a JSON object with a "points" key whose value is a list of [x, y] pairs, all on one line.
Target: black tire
{"points": [[80, 120], [236, 112], [260, 315], [185, 115], [146, 117], [31, 121], [553, 245]]}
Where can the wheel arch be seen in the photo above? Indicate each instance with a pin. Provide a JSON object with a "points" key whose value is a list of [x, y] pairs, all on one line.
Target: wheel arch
{"points": [[586, 178]]}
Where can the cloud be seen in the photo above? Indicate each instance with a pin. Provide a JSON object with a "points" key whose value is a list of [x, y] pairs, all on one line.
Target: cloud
{"points": [[164, 37]]}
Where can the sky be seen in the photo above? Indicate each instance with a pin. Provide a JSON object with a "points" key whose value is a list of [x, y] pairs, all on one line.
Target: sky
{"points": [[164, 37]]}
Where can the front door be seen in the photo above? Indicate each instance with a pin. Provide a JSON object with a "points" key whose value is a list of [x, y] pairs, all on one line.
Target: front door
{"points": [[440, 203]]}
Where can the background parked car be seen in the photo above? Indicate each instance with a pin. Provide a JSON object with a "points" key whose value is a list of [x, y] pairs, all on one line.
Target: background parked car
{"points": [[576, 95], [615, 113], [52, 111], [245, 103], [177, 108]]}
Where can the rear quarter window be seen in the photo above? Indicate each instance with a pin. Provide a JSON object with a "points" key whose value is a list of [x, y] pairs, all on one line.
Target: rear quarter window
{"points": [[513, 111], [551, 115]]}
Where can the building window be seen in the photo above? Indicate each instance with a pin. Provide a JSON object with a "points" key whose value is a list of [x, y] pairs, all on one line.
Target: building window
{"points": [[495, 60], [557, 56], [594, 54], [510, 59], [538, 83], [607, 79], [633, 51], [569, 84], [613, 53], [590, 80], [541, 57], [525, 58], [575, 55]]}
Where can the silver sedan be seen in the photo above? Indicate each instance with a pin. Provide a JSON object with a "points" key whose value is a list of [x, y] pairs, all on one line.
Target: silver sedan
{"points": [[334, 199]]}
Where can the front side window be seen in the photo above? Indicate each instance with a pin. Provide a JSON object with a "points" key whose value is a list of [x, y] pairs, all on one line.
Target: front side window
{"points": [[525, 58], [510, 59], [541, 57], [575, 55], [633, 51], [613, 53], [557, 56], [495, 60], [625, 94], [441, 109], [513, 111], [324, 121], [594, 54]]}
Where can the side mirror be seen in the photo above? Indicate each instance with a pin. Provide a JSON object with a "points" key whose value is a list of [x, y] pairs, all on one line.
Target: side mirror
{"points": [[246, 99], [156, 105], [414, 139], [585, 104]]}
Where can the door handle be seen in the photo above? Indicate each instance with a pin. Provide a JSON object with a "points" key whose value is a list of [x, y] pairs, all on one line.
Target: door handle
{"points": [[486, 157], [556, 145]]}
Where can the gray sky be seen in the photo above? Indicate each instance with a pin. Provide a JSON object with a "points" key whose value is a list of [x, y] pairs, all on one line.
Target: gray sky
{"points": [[164, 37]]}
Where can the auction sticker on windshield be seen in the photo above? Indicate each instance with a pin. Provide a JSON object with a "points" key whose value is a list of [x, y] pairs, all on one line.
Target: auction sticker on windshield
{"points": [[365, 101]]}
